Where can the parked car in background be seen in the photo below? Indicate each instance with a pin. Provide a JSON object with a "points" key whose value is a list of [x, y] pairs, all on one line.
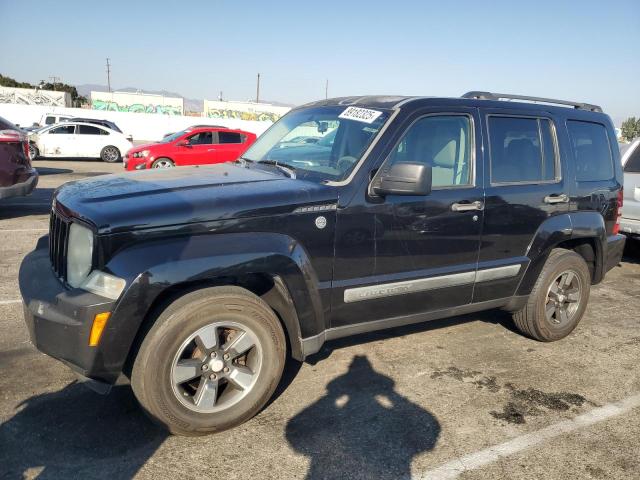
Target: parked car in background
{"points": [[78, 140], [17, 176], [193, 146], [53, 118], [195, 126], [96, 121], [630, 221]]}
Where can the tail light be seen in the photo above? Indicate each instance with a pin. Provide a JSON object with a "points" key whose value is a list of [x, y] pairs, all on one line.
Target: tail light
{"points": [[616, 227], [14, 136], [11, 136]]}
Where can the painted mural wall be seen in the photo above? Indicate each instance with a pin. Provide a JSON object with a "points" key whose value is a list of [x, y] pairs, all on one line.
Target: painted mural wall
{"points": [[260, 112], [30, 96], [136, 103]]}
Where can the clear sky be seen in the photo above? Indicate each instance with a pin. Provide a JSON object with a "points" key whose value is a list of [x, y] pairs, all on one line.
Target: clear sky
{"points": [[580, 50]]}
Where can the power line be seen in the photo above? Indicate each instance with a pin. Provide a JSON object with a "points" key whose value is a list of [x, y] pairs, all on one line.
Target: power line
{"points": [[54, 80], [108, 75], [258, 90]]}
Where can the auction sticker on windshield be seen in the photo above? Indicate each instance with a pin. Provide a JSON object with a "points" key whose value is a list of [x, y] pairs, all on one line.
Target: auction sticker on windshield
{"points": [[360, 114]]}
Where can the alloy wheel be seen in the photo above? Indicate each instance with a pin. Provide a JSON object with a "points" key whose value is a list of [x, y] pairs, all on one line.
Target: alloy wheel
{"points": [[163, 164], [563, 298], [216, 367], [111, 154]]}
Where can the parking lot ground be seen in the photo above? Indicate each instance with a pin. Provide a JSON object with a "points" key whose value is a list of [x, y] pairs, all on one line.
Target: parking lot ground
{"points": [[466, 397]]}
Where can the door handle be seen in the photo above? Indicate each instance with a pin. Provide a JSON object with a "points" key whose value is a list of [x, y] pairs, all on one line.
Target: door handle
{"points": [[466, 207], [211, 150], [551, 199]]}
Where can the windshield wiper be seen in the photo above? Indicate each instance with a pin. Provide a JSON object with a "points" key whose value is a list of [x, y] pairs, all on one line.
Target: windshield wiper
{"points": [[243, 161], [289, 170]]}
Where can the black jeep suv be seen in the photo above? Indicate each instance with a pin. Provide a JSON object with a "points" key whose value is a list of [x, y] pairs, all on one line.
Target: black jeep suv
{"points": [[199, 282]]}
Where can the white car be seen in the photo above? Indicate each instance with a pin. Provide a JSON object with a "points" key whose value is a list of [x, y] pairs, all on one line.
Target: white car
{"points": [[78, 140], [630, 221]]}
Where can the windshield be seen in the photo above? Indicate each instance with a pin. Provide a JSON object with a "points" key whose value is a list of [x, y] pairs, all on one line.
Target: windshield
{"points": [[343, 135], [173, 136]]}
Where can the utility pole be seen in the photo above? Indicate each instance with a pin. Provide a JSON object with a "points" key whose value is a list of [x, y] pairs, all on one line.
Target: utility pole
{"points": [[108, 75], [54, 80], [258, 90], [326, 89]]}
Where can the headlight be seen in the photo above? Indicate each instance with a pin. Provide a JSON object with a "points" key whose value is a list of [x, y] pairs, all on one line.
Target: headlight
{"points": [[142, 154], [79, 254], [104, 284]]}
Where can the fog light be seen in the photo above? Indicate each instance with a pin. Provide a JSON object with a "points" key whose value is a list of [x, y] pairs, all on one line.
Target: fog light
{"points": [[142, 166], [99, 322]]}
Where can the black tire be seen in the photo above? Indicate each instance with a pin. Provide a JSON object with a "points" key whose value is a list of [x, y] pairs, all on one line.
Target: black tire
{"points": [[163, 163], [152, 376], [33, 151], [533, 320], [110, 154]]}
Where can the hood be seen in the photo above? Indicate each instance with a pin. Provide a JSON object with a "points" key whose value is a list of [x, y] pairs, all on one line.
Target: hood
{"points": [[176, 196], [144, 146]]}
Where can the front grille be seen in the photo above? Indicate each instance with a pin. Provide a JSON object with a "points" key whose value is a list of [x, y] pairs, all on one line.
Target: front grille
{"points": [[58, 240]]}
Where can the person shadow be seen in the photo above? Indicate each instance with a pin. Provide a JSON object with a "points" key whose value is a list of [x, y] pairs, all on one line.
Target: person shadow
{"points": [[362, 428], [75, 433]]}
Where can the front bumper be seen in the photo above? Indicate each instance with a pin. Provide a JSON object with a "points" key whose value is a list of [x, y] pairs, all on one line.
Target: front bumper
{"points": [[21, 189], [59, 319], [615, 248]]}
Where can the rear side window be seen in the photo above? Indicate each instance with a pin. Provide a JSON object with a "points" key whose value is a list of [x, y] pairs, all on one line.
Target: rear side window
{"points": [[591, 150], [522, 150], [633, 162], [50, 120], [87, 130], [229, 137]]}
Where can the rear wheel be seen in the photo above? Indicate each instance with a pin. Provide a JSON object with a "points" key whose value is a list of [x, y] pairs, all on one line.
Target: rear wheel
{"points": [[163, 163], [110, 154], [210, 362], [33, 151], [558, 299]]}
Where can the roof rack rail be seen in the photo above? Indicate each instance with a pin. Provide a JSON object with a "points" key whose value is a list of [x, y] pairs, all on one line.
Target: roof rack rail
{"points": [[498, 96]]}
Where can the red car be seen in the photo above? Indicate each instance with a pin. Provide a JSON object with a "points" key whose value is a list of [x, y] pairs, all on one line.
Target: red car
{"points": [[17, 176], [193, 146]]}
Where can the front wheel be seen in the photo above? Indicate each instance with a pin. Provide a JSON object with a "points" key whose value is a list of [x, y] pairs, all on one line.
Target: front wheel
{"points": [[163, 163], [110, 154], [558, 299], [210, 362]]}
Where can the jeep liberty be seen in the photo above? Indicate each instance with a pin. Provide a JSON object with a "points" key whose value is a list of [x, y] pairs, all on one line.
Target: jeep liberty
{"points": [[198, 283]]}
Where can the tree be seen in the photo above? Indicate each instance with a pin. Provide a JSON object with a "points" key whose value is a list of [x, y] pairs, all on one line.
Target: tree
{"points": [[630, 128], [60, 87]]}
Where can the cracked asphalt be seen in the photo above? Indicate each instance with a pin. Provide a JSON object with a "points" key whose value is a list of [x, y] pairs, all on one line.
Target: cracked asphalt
{"points": [[393, 404]]}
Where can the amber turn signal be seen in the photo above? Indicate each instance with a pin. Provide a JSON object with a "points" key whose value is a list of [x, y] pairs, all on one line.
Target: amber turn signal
{"points": [[99, 322]]}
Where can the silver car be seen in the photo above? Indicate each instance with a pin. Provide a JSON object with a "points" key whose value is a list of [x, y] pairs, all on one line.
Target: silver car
{"points": [[630, 221]]}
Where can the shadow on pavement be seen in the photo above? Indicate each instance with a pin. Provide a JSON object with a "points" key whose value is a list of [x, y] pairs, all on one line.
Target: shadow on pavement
{"points": [[38, 203], [362, 428], [75, 433], [631, 250]]}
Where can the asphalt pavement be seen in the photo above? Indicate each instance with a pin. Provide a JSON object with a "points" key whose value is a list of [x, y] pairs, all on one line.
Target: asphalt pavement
{"points": [[466, 397]]}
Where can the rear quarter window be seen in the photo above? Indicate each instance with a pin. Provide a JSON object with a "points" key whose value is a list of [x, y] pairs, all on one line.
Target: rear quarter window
{"points": [[591, 151]]}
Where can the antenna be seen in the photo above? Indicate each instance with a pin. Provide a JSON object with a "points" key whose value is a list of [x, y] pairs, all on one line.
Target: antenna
{"points": [[326, 89]]}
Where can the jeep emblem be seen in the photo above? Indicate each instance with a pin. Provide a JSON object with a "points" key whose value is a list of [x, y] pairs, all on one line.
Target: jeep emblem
{"points": [[321, 222]]}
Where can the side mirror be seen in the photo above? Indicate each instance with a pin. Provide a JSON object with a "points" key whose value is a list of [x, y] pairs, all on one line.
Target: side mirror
{"points": [[183, 143], [404, 179]]}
